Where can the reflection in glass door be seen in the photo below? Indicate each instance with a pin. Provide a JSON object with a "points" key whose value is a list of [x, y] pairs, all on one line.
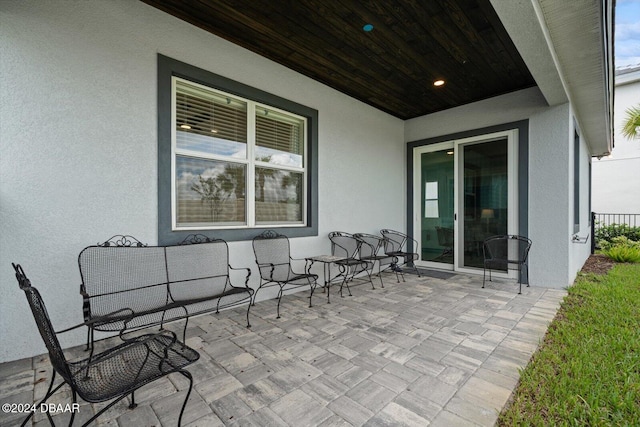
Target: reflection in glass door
{"points": [[437, 206], [485, 200]]}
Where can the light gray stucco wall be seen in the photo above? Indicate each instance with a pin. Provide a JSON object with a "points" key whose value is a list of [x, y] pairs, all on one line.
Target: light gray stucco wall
{"points": [[550, 197], [79, 146]]}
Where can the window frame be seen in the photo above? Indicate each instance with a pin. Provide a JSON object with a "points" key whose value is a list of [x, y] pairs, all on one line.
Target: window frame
{"points": [[167, 233]]}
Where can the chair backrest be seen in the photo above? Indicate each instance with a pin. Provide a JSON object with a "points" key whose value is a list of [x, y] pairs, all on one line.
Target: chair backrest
{"points": [[344, 244], [40, 315], [274, 249], [369, 244], [394, 241], [445, 236], [510, 248]]}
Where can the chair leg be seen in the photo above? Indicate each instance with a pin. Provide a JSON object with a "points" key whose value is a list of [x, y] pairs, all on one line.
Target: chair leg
{"points": [[133, 404], [88, 339], [49, 393], [519, 280], [415, 267], [484, 274], [248, 308], [312, 288], [380, 273], [187, 374], [369, 275], [75, 401], [100, 412]]}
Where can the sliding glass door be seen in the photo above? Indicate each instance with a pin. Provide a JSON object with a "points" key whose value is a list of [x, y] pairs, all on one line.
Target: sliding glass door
{"points": [[437, 206], [485, 200], [464, 192]]}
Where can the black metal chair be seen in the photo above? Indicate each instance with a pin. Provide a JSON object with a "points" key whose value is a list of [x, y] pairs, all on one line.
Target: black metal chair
{"points": [[402, 247], [273, 256], [506, 252], [347, 247], [111, 374], [371, 248]]}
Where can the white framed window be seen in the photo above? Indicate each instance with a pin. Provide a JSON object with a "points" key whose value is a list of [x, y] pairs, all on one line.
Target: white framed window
{"points": [[235, 162]]}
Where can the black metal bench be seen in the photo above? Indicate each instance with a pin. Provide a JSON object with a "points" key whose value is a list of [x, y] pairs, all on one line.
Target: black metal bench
{"points": [[159, 284]]}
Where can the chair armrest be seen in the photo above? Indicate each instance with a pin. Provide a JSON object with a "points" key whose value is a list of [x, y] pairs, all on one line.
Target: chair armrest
{"points": [[265, 265], [414, 244], [143, 340]]}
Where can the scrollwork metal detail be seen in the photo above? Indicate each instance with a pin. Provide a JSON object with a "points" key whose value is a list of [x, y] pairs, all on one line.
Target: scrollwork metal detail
{"points": [[123, 240], [193, 239], [269, 234]]}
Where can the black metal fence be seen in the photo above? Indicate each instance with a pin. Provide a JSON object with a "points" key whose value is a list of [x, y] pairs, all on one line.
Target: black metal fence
{"points": [[622, 223]]}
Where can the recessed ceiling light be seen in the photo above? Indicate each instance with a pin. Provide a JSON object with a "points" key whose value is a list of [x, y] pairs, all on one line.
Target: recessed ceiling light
{"points": [[368, 28], [185, 126], [438, 82], [449, 152]]}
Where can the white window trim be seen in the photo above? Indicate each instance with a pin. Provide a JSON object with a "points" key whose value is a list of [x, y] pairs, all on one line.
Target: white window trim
{"points": [[250, 162]]}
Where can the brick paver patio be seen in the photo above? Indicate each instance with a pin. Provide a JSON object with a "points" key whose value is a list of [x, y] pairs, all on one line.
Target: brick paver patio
{"points": [[425, 352]]}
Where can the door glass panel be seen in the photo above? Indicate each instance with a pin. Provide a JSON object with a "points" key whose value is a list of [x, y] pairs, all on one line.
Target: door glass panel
{"points": [[485, 200], [437, 185]]}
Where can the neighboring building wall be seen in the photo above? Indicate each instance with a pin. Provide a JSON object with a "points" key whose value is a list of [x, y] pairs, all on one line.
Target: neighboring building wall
{"points": [[616, 178], [79, 146], [554, 259]]}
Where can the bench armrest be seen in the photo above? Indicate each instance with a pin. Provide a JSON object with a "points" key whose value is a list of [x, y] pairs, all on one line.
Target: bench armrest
{"points": [[246, 280], [123, 315]]}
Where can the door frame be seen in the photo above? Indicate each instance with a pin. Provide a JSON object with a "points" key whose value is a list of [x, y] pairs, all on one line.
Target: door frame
{"points": [[514, 143]]}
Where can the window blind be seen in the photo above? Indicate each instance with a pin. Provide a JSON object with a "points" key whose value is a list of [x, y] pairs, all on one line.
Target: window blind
{"points": [[207, 113], [278, 131]]}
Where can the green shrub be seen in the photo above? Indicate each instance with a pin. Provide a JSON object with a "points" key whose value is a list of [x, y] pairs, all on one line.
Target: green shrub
{"points": [[622, 249], [604, 235], [621, 253]]}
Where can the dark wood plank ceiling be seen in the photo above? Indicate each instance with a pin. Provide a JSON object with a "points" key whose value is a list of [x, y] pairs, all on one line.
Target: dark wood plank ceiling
{"points": [[393, 67]]}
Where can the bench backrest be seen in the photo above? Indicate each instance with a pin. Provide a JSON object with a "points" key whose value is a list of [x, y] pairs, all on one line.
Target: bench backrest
{"points": [[123, 277], [197, 271], [147, 277]]}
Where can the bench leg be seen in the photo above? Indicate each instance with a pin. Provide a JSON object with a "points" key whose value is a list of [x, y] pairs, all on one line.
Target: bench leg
{"points": [[248, 308], [279, 298], [184, 332]]}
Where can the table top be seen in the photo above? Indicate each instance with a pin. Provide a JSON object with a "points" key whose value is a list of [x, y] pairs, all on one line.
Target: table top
{"points": [[325, 258]]}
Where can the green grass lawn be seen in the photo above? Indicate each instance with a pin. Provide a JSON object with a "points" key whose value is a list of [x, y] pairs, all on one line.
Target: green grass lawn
{"points": [[587, 370]]}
